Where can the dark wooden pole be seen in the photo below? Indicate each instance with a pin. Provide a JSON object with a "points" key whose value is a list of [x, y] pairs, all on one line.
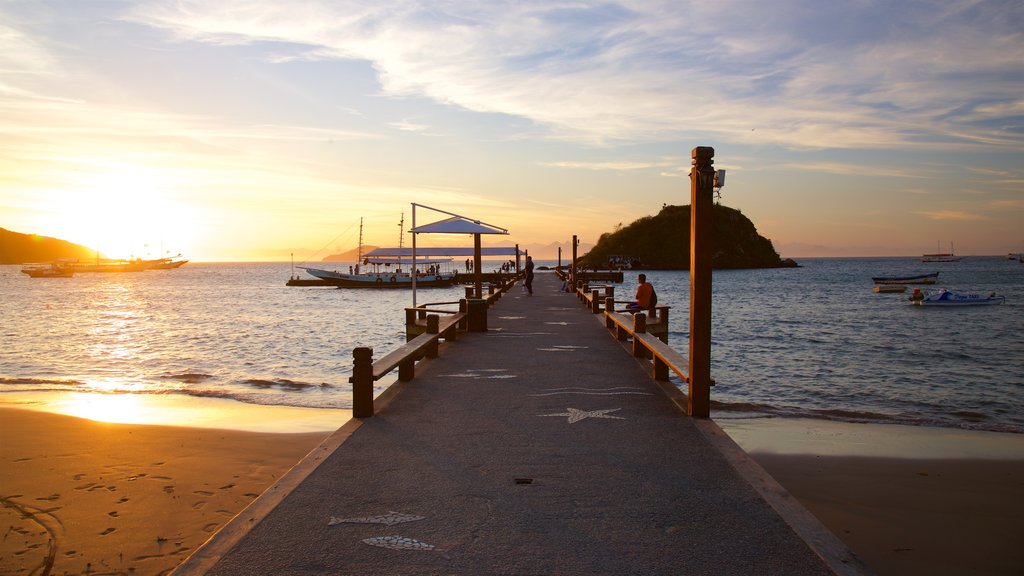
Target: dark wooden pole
{"points": [[701, 204], [572, 268], [362, 382], [476, 266]]}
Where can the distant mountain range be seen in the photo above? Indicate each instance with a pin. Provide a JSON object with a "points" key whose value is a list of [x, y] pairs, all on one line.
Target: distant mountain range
{"points": [[17, 248]]}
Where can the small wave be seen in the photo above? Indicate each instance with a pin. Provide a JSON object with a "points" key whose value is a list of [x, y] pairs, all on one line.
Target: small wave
{"points": [[959, 420], [283, 384], [188, 378], [38, 381]]}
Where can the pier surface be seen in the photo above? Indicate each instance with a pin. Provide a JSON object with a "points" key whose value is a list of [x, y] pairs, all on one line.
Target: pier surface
{"points": [[538, 447]]}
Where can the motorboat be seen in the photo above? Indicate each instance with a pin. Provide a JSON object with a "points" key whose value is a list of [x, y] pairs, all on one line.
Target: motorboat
{"points": [[948, 298], [921, 279]]}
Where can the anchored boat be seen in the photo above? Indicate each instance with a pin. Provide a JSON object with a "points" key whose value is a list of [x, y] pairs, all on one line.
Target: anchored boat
{"points": [[947, 298], [903, 280]]}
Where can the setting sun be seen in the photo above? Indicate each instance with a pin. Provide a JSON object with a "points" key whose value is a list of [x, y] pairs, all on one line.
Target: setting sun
{"points": [[121, 212]]}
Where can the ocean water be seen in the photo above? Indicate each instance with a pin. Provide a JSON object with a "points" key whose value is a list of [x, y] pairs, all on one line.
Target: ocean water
{"points": [[813, 341]]}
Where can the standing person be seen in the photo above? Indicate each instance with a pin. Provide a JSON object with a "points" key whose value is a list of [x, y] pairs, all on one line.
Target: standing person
{"points": [[646, 298], [529, 275]]}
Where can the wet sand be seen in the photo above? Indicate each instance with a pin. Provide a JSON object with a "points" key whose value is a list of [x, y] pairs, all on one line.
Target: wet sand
{"points": [[907, 500]]}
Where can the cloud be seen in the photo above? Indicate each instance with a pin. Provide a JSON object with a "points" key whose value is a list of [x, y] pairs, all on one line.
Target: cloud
{"points": [[797, 74], [951, 215], [605, 166]]}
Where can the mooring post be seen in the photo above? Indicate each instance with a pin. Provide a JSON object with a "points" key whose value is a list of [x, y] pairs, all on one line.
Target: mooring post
{"points": [[639, 327], [433, 327], [362, 382], [702, 177], [595, 302]]}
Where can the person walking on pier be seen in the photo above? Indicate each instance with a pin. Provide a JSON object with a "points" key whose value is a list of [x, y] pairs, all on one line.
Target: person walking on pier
{"points": [[646, 298], [529, 275]]}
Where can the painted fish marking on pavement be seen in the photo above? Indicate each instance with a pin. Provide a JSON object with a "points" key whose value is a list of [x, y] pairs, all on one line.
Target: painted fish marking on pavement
{"points": [[398, 543], [575, 415]]}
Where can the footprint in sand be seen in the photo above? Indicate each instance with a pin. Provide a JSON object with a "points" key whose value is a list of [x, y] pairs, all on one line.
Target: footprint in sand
{"points": [[203, 492], [199, 505], [210, 527], [50, 498], [122, 500], [77, 477], [88, 486], [113, 514], [21, 460], [108, 531], [226, 486], [162, 478], [169, 489]]}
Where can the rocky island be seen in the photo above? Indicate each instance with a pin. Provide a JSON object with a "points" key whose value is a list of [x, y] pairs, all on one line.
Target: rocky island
{"points": [[662, 242]]}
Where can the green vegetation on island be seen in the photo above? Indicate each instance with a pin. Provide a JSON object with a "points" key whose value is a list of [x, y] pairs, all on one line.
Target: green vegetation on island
{"points": [[662, 242], [17, 248]]}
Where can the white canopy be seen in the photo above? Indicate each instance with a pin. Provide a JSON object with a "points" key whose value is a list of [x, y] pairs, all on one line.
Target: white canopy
{"points": [[458, 225], [440, 252]]}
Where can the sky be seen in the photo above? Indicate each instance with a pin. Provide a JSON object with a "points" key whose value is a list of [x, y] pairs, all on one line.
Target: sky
{"points": [[265, 130]]}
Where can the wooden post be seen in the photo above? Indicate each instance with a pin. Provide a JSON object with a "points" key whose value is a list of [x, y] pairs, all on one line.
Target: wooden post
{"points": [[476, 266], [572, 268], [362, 382], [701, 205], [663, 320], [609, 309], [595, 302], [639, 327], [432, 328], [464, 308]]}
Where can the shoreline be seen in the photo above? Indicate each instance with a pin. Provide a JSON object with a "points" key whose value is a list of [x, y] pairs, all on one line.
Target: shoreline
{"points": [[115, 497], [907, 500]]}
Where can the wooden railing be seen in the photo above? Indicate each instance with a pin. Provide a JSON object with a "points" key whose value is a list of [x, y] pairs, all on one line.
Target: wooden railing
{"points": [[647, 329], [366, 370], [424, 330]]}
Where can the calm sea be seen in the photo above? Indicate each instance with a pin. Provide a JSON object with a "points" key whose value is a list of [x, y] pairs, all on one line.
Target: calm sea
{"points": [[813, 341]]}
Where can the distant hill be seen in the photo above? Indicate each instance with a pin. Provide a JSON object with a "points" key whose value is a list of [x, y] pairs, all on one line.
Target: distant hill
{"points": [[17, 248], [663, 242], [349, 256]]}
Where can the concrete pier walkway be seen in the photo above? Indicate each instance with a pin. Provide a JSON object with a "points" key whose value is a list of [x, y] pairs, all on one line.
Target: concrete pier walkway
{"points": [[538, 447]]}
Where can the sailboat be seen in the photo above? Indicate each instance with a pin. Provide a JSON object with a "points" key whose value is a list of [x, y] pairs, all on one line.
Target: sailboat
{"points": [[382, 275], [941, 256]]}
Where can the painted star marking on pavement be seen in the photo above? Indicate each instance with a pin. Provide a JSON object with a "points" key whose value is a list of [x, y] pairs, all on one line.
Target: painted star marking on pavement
{"points": [[575, 415]]}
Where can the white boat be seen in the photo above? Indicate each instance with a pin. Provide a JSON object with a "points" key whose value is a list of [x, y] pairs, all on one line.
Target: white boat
{"points": [[387, 272], [947, 298]]}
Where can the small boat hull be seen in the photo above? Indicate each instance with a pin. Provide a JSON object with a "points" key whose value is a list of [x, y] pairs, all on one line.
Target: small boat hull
{"points": [[921, 279], [889, 288], [380, 281]]}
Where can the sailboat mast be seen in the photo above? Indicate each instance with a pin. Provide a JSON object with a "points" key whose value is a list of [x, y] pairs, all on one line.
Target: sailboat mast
{"points": [[359, 248]]}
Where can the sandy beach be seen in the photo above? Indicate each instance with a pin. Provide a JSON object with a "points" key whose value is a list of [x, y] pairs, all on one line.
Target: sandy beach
{"points": [[87, 497], [907, 500]]}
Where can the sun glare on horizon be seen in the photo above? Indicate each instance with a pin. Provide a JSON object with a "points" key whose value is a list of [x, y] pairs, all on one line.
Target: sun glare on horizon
{"points": [[121, 213]]}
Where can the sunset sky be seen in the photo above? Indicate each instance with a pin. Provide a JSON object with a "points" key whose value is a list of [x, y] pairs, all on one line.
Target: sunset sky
{"points": [[252, 130]]}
